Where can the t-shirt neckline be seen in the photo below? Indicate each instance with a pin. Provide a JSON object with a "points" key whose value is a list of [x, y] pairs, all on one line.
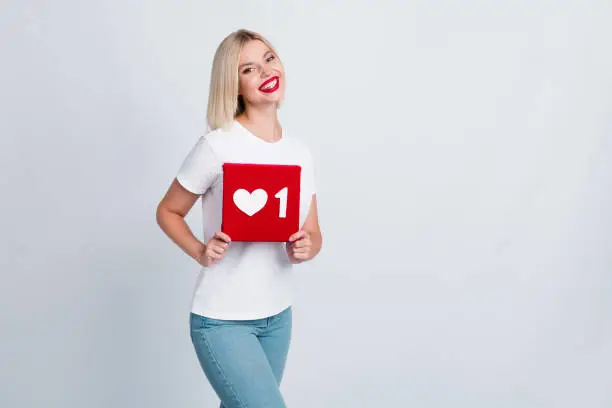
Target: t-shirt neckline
{"points": [[253, 136]]}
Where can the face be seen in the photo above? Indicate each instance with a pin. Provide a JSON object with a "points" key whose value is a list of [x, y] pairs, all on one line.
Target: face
{"points": [[261, 78]]}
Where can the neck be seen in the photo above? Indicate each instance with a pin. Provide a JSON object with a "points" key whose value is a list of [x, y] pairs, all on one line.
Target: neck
{"points": [[262, 122]]}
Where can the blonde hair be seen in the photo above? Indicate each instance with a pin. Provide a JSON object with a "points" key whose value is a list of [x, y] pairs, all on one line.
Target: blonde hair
{"points": [[224, 104]]}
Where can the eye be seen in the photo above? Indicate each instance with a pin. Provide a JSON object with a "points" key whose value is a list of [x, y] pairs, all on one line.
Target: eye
{"points": [[246, 71], [270, 58]]}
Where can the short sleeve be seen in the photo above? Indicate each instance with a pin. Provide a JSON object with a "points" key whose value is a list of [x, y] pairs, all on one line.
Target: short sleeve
{"points": [[200, 168]]}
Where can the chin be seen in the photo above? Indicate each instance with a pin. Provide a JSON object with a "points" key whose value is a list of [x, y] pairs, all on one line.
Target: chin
{"points": [[270, 101]]}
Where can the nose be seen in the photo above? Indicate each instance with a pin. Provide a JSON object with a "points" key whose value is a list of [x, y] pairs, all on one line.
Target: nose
{"points": [[265, 73]]}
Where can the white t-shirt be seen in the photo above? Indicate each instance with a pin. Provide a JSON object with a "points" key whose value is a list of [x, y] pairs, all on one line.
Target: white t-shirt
{"points": [[253, 280]]}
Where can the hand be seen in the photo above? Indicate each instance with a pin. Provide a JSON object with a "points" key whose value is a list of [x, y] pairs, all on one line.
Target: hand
{"points": [[299, 247], [215, 249]]}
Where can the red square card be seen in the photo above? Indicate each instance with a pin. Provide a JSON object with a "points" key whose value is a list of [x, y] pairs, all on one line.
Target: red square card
{"points": [[261, 202]]}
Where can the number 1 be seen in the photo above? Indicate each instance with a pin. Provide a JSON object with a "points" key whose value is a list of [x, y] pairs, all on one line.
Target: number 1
{"points": [[282, 196]]}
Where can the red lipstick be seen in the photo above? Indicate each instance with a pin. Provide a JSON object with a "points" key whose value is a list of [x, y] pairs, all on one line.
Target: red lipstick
{"points": [[274, 88]]}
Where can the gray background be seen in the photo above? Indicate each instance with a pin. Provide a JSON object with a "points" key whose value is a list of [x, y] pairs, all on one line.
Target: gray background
{"points": [[463, 163]]}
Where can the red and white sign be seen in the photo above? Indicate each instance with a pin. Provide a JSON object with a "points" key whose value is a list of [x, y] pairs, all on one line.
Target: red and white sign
{"points": [[261, 202]]}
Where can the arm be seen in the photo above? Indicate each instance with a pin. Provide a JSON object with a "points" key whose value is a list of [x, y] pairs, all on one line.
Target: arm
{"points": [[170, 216], [196, 175]]}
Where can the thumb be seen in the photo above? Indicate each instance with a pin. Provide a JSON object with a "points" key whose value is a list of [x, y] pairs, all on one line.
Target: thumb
{"points": [[297, 235]]}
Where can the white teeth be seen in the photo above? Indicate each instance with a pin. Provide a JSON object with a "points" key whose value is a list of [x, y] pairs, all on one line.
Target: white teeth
{"points": [[271, 84]]}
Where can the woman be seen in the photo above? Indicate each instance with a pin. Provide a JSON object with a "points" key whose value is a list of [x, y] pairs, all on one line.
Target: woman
{"points": [[241, 310]]}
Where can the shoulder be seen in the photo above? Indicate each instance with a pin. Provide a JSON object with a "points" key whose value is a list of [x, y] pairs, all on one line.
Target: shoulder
{"points": [[212, 137], [210, 143], [221, 140], [204, 150]]}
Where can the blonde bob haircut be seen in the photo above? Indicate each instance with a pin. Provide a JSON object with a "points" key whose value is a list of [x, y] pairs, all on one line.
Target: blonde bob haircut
{"points": [[224, 104]]}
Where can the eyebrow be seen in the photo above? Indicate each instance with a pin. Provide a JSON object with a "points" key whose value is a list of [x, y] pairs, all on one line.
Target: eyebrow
{"points": [[251, 63]]}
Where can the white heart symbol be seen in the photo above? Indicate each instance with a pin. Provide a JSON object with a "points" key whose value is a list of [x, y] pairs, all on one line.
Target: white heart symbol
{"points": [[250, 203]]}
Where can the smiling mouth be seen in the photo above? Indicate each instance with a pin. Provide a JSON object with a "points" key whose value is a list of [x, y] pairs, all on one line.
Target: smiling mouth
{"points": [[270, 85]]}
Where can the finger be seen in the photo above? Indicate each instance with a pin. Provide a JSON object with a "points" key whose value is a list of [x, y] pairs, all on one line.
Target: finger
{"points": [[301, 250], [298, 235], [220, 244], [217, 249], [216, 256], [223, 237], [301, 245], [300, 256], [304, 242]]}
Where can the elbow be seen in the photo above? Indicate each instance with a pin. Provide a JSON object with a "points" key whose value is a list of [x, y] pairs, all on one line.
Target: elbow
{"points": [[163, 213], [160, 214]]}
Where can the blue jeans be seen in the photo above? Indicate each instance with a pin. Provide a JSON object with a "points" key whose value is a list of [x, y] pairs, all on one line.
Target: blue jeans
{"points": [[244, 360]]}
